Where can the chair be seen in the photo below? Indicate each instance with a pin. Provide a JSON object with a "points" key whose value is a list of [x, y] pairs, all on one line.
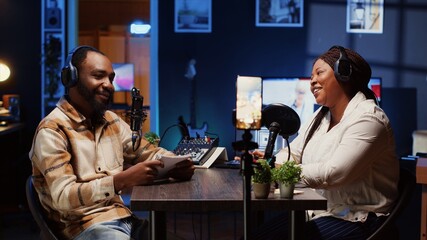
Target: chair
{"points": [[38, 212], [389, 230]]}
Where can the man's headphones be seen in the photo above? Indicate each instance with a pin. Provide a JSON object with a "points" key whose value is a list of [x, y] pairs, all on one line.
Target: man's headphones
{"points": [[342, 67], [69, 74]]}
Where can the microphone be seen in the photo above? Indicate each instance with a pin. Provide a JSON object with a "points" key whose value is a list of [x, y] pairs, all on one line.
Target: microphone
{"points": [[281, 120], [136, 116], [274, 130]]}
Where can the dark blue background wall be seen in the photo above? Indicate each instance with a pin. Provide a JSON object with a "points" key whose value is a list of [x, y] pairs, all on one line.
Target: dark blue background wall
{"points": [[237, 47]]}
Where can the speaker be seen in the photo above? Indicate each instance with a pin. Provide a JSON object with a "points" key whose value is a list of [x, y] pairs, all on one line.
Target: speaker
{"points": [[53, 18], [342, 67]]}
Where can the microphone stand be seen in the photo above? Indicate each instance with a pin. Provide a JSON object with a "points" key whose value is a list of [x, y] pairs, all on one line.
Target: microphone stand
{"points": [[247, 170]]}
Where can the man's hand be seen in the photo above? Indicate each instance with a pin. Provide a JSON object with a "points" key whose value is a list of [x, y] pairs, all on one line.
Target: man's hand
{"points": [[142, 173], [183, 170]]}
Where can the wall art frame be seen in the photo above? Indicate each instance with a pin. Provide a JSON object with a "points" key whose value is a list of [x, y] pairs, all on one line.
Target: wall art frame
{"points": [[365, 16], [279, 13], [193, 16]]}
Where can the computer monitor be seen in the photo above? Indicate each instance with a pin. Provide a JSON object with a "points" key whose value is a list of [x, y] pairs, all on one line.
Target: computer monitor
{"points": [[375, 84], [125, 76], [291, 91]]}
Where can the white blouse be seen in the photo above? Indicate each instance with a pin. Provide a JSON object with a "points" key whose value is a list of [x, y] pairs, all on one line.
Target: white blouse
{"points": [[353, 165]]}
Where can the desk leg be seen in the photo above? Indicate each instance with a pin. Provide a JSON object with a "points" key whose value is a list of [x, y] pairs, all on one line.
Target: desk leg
{"points": [[296, 225], [157, 225], [423, 212]]}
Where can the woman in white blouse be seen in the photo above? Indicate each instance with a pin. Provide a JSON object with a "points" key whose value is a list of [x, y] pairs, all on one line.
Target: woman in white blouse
{"points": [[346, 150]]}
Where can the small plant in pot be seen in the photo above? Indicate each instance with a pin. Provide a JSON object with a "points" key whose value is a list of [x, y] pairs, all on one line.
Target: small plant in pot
{"points": [[152, 138], [261, 179], [287, 175]]}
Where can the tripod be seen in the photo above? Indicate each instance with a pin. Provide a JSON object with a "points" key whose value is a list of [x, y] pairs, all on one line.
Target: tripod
{"points": [[245, 145]]}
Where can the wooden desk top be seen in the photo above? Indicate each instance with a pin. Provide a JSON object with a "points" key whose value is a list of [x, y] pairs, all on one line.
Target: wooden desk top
{"points": [[215, 189], [11, 127], [421, 170]]}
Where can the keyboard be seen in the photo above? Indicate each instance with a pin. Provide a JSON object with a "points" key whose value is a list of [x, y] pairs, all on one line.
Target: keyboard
{"points": [[200, 149]]}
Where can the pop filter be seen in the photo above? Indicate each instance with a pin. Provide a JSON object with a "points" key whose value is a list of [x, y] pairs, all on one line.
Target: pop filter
{"points": [[285, 116]]}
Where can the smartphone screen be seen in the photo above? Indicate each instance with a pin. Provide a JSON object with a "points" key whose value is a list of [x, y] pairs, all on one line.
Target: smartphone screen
{"points": [[248, 102]]}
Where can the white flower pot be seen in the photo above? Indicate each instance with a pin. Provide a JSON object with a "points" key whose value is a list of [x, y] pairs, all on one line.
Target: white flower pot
{"points": [[287, 190]]}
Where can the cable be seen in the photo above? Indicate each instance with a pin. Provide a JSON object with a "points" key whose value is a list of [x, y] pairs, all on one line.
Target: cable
{"points": [[213, 134], [167, 129], [289, 148]]}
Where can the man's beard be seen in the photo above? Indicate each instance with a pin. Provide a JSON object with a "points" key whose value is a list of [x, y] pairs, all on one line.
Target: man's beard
{"points": [[99, 108]]}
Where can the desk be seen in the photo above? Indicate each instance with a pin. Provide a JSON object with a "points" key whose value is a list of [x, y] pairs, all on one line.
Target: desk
{"points": [[216, 189], [11, 148], [421, 174], [10, 128]]}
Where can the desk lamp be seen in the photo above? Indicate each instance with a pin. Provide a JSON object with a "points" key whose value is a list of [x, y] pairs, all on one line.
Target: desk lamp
{"points": [[4, 75], [4, 72]]}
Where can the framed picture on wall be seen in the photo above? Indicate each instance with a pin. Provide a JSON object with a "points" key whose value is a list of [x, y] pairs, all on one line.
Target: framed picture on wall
{"points": [[279, 13], [365, 16], [193, 16]]}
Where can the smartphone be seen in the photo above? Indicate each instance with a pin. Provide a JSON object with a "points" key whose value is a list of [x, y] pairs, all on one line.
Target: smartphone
{"points": [[248, 102]]}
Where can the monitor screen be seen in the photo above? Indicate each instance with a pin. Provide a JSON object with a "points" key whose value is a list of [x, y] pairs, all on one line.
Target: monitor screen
{"points": [[375, 84], [124, 80], [291, 91]]}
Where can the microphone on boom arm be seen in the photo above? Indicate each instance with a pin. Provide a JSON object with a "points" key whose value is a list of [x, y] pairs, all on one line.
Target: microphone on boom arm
{"points": [[136, 117], [274, 129], [280, 120]]}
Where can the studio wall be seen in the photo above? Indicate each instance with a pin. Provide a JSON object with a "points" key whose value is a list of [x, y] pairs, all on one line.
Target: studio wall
{"points": [[236, 46]]}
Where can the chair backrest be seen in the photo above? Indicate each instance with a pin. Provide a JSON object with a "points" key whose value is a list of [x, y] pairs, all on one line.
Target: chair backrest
{"points": [[36, 209], [407, 184]]}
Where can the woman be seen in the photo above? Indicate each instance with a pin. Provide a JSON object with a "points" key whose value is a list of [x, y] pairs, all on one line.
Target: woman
{"points": [[346, 151]]}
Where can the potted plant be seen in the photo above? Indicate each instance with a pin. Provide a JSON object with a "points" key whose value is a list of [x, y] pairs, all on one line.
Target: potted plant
{"points": [[152, 138], [52, 61], [287, 175], [261, 179]]}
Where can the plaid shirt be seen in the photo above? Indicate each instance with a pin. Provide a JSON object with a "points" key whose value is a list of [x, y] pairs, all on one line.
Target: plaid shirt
{"points": [[73, 167]]}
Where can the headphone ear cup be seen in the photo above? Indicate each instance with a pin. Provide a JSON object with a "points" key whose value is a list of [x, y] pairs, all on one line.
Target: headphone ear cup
{"points": [[342, 67], [69, 74], [342, 70], [65, 76]]}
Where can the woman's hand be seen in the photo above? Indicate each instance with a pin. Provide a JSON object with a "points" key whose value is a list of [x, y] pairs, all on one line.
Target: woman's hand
{"points": [[258, 154]]}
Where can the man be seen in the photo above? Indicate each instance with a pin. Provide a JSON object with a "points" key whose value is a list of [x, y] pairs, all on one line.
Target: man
{"points": [[79, 152]]}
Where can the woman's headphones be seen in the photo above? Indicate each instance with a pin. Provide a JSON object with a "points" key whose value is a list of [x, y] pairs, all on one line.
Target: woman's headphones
{"points": [[342, 67], [69, 74]]}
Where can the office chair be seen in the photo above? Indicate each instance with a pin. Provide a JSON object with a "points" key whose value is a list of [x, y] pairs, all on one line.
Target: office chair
{"points": [[38, 212], [388, 230]]}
